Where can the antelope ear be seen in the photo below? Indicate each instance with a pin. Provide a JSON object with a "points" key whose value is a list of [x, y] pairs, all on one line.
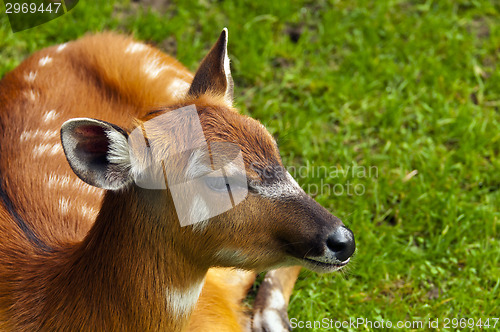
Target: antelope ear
{"points": [[97, 152], [214, 74]]}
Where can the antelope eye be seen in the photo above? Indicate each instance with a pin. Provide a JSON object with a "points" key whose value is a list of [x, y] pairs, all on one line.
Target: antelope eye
{"points": [[224, 184], [217, 183]]}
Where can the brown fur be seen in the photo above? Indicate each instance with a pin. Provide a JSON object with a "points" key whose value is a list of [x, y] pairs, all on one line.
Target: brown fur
{"points": [[92, 84], [63, 270]]}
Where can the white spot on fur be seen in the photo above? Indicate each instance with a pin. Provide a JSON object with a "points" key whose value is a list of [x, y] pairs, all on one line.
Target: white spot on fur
{"points": [[178, 88], [56, 149], [135, 47], [31, 95], [64, 205], [50, 116], [88, 188], [30, 78], [55, 181], [43, 149], [44, 61], [61, 47], [39, 135], [182, 302], [88, 212], [287, 188], [153, 68]]}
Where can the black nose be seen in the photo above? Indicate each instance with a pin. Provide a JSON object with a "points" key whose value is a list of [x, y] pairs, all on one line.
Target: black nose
{"points": [[341, 242]]}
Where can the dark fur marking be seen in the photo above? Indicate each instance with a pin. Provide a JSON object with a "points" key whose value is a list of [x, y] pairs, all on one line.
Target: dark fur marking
{"points": [[25, 228]]}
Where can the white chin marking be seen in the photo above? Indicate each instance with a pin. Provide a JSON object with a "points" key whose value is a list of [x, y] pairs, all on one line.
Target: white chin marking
{"points": [[320, 268]]}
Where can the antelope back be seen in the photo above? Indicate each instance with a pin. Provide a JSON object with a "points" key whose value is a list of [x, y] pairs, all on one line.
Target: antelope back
{"points": [[108, 77]]}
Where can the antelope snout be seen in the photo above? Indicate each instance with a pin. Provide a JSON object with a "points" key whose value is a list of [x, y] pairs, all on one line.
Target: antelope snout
{"points": [[341, 243]]}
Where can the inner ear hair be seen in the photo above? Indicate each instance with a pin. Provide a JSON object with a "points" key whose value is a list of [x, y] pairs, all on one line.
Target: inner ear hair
{"points": [[97, 151]]}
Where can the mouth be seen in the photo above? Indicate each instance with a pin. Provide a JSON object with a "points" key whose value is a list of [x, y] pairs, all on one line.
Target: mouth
{"points": [[323, 267]]}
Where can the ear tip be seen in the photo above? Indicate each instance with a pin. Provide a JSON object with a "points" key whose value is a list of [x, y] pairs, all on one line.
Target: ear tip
{"points": [[71, 123], [224, 34], [76, 121]]}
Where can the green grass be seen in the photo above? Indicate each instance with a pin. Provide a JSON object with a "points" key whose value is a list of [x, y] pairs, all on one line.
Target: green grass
{"points": [[398, 85]]}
